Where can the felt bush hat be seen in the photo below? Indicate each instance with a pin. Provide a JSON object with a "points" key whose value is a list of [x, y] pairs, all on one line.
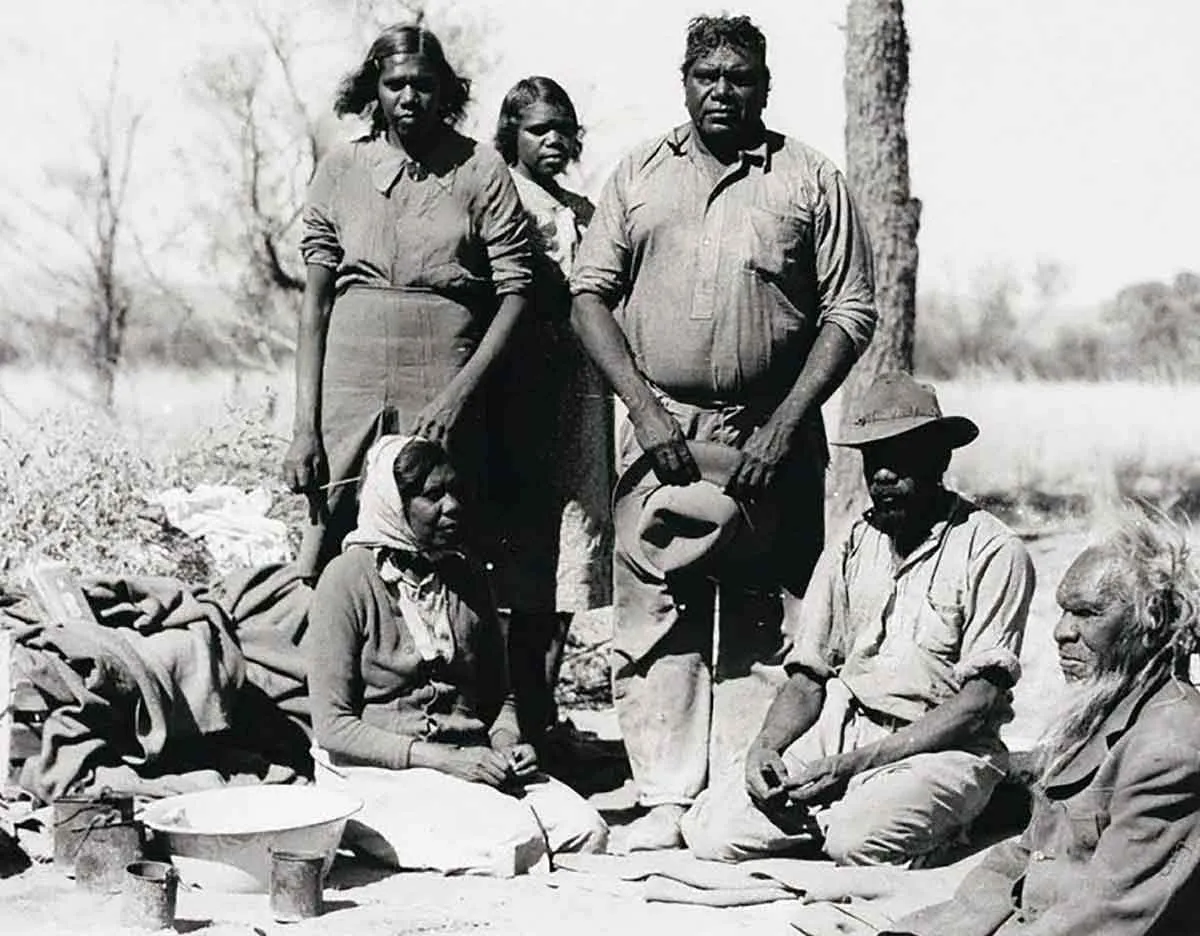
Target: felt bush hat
{"points": [[666, 528], [896, 403]]}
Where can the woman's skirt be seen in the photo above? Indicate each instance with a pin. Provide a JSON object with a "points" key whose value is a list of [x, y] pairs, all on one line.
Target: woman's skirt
{"points": [[421, 819], [388, 353]]}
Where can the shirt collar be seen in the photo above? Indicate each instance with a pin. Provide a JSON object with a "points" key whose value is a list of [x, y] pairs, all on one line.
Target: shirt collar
{"points": [[533, 193], [388, 164], [955, 512], [682, 141]]}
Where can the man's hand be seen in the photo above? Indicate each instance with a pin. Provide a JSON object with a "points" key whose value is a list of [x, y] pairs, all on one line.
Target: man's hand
{"points": [[766, 774], [661, 438], [818, 783], [763, 455]]}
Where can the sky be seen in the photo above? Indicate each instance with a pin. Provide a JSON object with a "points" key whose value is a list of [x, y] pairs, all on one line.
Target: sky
{"points": [[1061, 131]]}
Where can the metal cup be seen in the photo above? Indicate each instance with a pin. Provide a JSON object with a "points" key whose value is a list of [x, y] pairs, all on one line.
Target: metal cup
{"points": [[149, 891], [296, 885]]}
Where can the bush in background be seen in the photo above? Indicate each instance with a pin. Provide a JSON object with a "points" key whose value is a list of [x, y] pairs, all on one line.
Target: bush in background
{"points": [[1149, 331]]}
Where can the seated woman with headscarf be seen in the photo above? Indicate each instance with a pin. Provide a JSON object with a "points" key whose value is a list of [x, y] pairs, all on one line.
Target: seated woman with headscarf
{"points": [[412, 710]]}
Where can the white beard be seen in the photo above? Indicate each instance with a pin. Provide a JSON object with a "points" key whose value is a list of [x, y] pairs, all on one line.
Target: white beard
{"points": [[1087, 704]]}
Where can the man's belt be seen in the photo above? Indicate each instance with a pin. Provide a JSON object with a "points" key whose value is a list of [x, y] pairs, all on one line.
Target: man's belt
{"points": [[892, 723]]}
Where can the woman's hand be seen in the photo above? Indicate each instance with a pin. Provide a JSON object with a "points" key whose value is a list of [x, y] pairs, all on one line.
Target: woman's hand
{"points": [[475, 764], [437, 420], [305, 467]]}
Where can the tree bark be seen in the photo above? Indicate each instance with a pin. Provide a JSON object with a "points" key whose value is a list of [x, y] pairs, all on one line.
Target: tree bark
{"points": [[876, 90]]}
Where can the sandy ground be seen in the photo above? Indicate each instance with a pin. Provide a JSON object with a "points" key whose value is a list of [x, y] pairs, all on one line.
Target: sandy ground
{"points": [[364, 901], [41, 903]]}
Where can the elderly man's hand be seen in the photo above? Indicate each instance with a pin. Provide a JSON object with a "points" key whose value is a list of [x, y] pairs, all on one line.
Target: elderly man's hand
{"points": [[762, 457], [661, 438]]}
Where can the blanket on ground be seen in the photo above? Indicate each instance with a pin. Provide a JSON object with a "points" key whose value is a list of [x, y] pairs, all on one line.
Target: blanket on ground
{"points": [[170, 689]]}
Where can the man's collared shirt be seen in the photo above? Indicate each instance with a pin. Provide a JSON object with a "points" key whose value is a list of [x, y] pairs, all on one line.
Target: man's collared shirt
{"points": [[726, 279], [906, 633]]}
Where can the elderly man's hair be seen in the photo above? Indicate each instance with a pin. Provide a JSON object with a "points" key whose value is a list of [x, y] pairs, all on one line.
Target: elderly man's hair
{"points": [[1150, 573], [708, 33], [1151, 576], [536, 89], [358, 93]]}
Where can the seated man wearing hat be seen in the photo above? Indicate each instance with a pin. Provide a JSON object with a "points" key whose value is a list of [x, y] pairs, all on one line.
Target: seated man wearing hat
{"points": [[884, 743]]}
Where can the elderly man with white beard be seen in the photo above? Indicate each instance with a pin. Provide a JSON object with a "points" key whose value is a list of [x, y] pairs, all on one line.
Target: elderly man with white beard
{"points": [[1113, 844]]}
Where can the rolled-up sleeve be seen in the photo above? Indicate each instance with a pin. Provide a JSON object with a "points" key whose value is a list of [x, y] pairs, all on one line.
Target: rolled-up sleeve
{"points": [[504, 229], [603, 262], [844, 267], [320, 244], [1003, 579], [817, 624]]}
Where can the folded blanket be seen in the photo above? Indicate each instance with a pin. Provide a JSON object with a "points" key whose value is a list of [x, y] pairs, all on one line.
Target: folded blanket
{"points": [[171, 688], [268, 607], [160, 665]]}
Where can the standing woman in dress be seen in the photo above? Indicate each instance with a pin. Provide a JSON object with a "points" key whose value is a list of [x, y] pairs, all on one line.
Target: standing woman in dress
{"points": [[554, 471], [418, 261]]}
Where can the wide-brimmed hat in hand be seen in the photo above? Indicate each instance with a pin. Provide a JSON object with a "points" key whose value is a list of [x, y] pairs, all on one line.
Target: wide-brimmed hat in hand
{"points": [[896, 404], [667, 529]]}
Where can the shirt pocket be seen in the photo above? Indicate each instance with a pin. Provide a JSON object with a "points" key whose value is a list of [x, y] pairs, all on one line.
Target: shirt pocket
{"points": [[941, 628], [1087, 817], [778, 240]]}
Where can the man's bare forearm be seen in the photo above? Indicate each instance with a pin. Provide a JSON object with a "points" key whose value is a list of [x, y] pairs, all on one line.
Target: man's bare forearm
{"points": [[605, 343], [829, 361], [795, 710], [948, 727]]}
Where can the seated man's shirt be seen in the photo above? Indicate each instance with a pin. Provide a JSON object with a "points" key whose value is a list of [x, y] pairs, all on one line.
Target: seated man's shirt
{"points": [[906, 633]]}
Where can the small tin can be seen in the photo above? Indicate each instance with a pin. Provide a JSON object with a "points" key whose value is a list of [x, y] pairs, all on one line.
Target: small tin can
{"points": [[297, 880], [149, 891]]}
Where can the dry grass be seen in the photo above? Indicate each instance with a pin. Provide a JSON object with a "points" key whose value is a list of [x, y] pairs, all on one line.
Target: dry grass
{"points": [[73, 480], [1075, 446]]}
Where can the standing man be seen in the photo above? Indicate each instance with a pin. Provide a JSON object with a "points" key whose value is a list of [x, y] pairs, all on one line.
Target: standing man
{"points": [[744, 282]]}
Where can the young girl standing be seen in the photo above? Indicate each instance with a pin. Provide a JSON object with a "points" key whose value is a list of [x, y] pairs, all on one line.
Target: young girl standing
{"points": [[555, 437]]}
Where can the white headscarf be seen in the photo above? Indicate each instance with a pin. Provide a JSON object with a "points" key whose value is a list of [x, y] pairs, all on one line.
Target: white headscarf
{"points": [[421, 603]]}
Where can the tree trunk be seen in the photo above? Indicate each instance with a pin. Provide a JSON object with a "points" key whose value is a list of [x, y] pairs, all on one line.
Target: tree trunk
{"points": [[876, 89]]}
